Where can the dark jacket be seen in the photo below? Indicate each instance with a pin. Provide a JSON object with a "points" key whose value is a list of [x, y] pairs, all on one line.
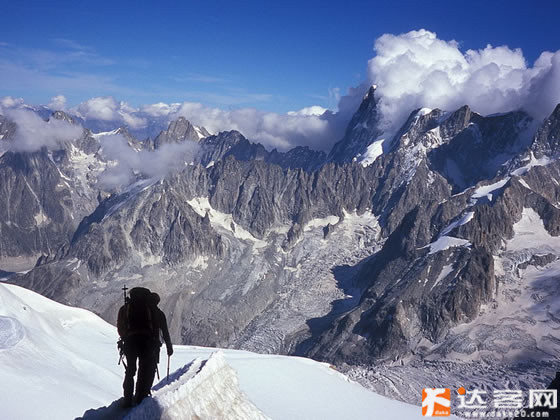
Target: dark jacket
{"points": [[163, 331], [157, 331]]}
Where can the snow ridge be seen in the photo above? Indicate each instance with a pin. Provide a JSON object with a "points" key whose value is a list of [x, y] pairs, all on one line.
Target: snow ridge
{"points": [[204, 389]]}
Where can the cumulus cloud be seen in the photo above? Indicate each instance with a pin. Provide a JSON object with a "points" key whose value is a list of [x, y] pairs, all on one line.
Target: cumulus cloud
{"points": [[310, 110], [129, 164], [10, 102], [57, 103], [417, 69], [544, 89], [100, 108], [160, 109], [273, 130], [33, 133], [132, 120], [106, 108]]}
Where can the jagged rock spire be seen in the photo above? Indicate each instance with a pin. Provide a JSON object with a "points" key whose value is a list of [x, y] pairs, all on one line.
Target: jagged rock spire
{"points": [[361, 131]]}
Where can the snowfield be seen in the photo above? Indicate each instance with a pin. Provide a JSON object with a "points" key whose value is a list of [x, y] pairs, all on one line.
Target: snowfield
{"points": [[60, 362]]}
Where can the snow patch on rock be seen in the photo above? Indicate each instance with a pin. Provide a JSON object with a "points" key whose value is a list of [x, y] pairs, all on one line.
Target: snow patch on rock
{"points": [[446, 242], [321, 222], [445, 271], [373, 151], [530, 233], [487, 191], [533, 161], [223, 221], [463, 220]]}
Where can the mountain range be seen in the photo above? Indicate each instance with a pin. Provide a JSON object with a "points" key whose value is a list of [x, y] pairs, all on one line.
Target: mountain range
{"points": [[432, 249]]}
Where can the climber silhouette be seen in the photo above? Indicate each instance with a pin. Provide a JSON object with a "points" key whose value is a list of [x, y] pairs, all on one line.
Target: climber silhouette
{"points": [[140, 324]]}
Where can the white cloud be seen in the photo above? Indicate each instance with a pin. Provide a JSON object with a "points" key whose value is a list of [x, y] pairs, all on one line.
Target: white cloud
{"points": [[334, 94], [10, 102], [273, 130], [310, 110], [416, 69], [33, 132], [106, 108], [127, 112], [132, 120], [126, 107], [130, 163], [57, 103], [544, 86], [160, 109], [100, 108]]}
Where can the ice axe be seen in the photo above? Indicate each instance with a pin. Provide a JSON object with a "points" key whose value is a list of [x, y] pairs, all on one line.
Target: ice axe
{"points": [[124, 289]]}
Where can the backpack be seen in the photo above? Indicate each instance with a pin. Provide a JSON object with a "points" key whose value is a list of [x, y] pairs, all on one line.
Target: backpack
{"points": [[140, 317]]}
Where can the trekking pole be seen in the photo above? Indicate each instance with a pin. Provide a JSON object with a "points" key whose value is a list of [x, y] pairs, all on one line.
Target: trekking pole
{"points": [[157, 372], [168, 361]]}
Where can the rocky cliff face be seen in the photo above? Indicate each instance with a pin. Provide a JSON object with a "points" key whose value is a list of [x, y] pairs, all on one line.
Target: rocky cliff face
{"points": [[36, 213], [436, 269], [217, 238], [50, 191]]}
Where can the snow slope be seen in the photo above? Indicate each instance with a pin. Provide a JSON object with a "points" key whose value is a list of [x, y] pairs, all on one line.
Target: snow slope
{"points": [[64, 361]]}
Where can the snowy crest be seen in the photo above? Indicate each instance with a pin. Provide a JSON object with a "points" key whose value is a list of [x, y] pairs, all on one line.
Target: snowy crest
{"points": [[204, 389]]}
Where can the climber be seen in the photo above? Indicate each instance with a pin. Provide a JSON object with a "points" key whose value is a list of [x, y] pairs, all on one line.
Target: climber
{"points": [[140, 323]]}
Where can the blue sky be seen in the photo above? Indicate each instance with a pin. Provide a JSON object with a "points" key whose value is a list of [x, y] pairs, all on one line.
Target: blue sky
{"points": [[271, 56]]}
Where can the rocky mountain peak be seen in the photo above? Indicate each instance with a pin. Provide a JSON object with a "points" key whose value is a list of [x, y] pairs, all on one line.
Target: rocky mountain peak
{"points": [[419, 122], [556, 113], [226, 143], [179, 128], [474, 147], [63, 116], [225, 140], [178, 131], [362, 131], [233, 143]]}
